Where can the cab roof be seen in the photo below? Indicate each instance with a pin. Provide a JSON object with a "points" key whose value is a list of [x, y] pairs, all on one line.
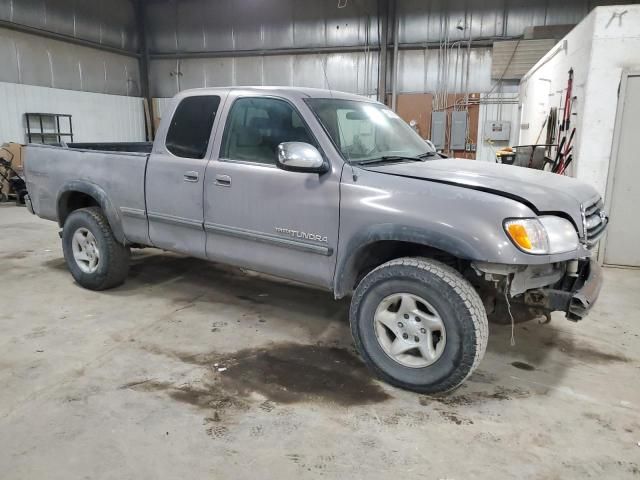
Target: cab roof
{"points": [[286, 92]]}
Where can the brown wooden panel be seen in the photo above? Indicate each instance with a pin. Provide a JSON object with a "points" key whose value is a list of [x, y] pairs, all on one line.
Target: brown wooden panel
{"points": [[416, 106]]}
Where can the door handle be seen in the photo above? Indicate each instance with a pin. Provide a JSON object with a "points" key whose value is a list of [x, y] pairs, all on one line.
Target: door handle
{"points": [[190, 176], [223, 180]]}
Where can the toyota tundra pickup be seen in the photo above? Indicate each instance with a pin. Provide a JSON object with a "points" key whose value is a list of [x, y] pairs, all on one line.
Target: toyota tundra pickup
{"points": [[335, 191]]}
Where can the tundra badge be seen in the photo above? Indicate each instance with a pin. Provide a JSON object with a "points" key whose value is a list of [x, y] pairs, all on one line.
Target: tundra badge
{"points": [[304, 235]]}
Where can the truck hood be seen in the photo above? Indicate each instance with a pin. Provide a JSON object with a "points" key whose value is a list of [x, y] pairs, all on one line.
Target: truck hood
{"points": [[541, 191]]}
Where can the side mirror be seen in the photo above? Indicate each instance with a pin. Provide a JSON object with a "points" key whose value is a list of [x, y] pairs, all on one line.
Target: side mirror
{"points": [[300, 157]]}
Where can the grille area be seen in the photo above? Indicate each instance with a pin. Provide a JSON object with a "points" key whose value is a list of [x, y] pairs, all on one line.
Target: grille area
{"points": [[594, 221]]}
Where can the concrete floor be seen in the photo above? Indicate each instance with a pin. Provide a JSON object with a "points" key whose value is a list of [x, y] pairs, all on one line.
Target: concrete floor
{"points": [[130, 383]]}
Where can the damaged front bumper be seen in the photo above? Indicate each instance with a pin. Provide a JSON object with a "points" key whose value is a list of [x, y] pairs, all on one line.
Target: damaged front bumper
{"points": [[571, 287], [576, 296]]}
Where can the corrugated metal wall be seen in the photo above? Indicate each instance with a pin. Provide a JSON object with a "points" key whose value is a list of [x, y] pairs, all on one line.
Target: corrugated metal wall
{"points": [[344, 71], [29, 56], [227, 25], [96, 117], [418, 70], [55, 75], [171, 76], [248, 31], [34, 60], [258, 26], [224, 25], [93, 49], [105, 22], [431, 20]]}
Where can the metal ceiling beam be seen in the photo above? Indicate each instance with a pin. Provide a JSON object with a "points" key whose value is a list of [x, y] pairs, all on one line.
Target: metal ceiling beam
{"points": [[65, 38], [257, 53], [476, 43]]}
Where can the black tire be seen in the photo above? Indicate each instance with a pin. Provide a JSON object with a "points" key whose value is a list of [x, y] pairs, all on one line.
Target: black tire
{"points": [[458, 305], [113, 265]]}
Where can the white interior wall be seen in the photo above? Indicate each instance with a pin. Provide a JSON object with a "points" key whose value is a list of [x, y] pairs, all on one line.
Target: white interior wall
{"points": [[544, 86], [598, 50], [616, 47], [97, 117]]}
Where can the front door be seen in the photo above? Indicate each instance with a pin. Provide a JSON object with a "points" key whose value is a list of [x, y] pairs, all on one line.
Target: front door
{"points": [[175, 176], [263, 218]]}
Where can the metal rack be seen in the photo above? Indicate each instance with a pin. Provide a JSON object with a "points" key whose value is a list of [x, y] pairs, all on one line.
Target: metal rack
{"points": [[49, 128]]}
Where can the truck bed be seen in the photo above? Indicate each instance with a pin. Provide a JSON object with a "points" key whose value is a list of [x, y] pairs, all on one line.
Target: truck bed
{"points": [[115, 176]]}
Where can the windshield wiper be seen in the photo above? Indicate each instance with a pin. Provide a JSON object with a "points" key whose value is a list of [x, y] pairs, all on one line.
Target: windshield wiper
{"points": [[388, 158], [431, 153]]}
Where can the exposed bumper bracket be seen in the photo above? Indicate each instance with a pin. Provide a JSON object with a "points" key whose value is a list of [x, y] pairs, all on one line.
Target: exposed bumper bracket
{"points": [[576, 302]]}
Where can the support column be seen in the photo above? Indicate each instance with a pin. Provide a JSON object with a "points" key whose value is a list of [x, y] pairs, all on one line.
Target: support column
{"points": [[383, 22], [145, 89]]}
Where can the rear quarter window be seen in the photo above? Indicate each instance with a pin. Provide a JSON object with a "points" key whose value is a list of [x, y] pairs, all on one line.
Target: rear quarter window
{"points": [[190, 128]]}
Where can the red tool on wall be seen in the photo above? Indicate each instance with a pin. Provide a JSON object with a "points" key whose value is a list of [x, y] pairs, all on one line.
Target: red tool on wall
{"points": [[565, 146], [563, 153], [566, 118]]}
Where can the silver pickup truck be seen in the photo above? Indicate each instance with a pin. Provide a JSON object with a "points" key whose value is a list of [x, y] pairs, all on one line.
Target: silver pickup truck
{"points": [[335, 191]]}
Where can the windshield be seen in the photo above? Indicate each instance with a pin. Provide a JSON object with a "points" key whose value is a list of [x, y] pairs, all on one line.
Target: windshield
{"points": [[365, 131]]}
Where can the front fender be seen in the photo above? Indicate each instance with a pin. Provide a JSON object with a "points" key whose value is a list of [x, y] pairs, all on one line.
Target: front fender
{"points": [[456, 245], [99, 195]]}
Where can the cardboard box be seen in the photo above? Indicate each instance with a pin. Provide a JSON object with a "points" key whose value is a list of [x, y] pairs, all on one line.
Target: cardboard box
{"points": [[13, 152]]}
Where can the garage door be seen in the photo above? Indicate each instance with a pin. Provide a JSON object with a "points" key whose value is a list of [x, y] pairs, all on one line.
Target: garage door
{"points": [[623, 238]]}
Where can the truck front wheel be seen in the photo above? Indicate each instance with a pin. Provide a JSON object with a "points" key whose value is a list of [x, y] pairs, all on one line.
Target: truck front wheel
{"points": [[419, 325], [95, 258]]}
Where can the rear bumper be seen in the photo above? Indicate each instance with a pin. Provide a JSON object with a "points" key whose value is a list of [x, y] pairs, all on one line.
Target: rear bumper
{"points": [[576, 298]]}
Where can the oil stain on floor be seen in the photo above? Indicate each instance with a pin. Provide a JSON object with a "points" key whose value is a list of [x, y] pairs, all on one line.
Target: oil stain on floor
{"points": [[283, 373], [289, 373]]}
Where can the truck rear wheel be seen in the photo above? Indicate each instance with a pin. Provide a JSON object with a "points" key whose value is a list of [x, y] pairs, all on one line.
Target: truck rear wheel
{"points": [[419, 325], [95, 258]]}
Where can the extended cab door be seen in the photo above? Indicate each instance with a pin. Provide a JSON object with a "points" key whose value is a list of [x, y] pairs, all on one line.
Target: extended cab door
{"points": [[175, 175], [263, 218]]}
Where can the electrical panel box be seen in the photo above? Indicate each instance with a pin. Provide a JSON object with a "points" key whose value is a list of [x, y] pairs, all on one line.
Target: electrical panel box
{"points": [[459, 130], [497, 130], [438, 125]]}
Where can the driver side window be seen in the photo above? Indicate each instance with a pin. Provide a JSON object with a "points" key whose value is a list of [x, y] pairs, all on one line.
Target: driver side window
{"points": [[256, 126]]}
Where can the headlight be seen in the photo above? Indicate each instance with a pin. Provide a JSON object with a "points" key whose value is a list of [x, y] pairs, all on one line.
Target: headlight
{"points": [[542, 235]]}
